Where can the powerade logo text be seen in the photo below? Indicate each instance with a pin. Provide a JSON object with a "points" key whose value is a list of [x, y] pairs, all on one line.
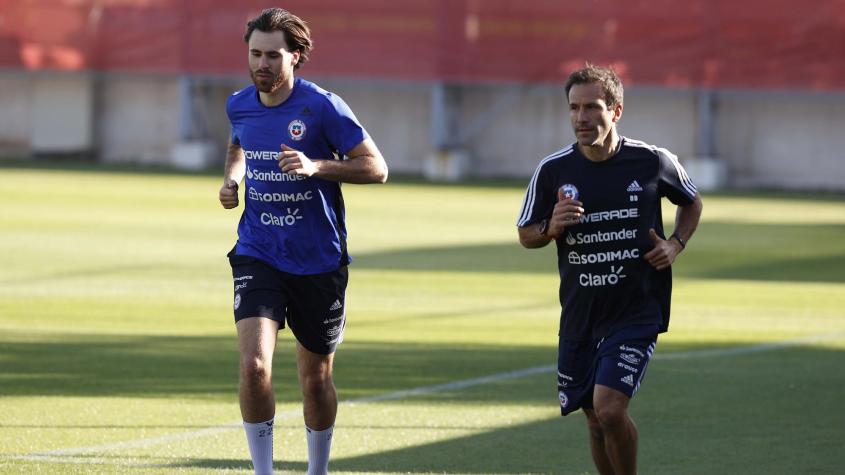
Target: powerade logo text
{"points": [[261, 155], [610, 215]]}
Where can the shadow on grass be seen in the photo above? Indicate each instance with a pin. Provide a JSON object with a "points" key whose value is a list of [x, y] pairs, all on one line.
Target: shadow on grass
{"points": [[165, 366], [765, 412], [544, 446], [534, 447], [765, 252], [206, 366], [750, 408]]}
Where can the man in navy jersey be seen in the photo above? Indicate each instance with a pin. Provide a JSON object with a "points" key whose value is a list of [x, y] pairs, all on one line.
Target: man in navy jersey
{"points": [[296, 143], [599, 200]]}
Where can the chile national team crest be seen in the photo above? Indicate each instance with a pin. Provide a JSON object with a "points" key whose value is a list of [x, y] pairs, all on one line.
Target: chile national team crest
{"points": [[564, 400], [296, 129], [569, 191]]}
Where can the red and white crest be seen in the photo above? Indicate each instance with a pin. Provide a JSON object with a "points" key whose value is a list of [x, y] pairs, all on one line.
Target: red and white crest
{"points": [[569, 191], [296, 129]]}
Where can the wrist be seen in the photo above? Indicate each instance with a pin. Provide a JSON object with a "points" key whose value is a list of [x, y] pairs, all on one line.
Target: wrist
{"points": [[543, 229], [317, 168], [679, 240]]}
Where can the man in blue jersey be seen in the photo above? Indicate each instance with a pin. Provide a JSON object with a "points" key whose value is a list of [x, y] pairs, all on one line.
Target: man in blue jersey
{"points": [[599, 200], [295, 143]]}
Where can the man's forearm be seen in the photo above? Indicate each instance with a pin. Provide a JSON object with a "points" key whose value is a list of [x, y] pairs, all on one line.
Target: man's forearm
{"points": [[359, 170], [235, 166], [531, 238], [686, 219]]}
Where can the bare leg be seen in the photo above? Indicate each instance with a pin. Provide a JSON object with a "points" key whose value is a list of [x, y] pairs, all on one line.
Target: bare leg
{"points": [[257, 342], [319, 406], [597, 446], [620, 433], [318, 392]]}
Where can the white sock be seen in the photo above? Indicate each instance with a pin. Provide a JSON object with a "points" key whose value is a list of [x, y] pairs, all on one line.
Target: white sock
{"points": [[259, 437], [319, 446]]}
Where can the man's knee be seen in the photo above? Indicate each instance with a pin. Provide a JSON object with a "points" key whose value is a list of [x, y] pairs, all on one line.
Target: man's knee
{"points": [[316, 383], [611, 417], [611, 409], [255, 371], [593, 425]]}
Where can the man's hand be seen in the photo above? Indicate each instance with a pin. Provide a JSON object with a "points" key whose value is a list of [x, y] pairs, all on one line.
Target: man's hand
{"points": [[664, 252], [567, 212], [229, 194], [294, 162]]}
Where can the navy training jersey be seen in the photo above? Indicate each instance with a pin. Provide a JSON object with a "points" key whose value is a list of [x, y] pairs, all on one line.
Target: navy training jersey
{"points": [[294, 223], [605, 283]]}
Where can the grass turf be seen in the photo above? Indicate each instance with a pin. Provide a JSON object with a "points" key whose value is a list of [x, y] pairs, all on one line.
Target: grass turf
{"points": [[118, 354]]}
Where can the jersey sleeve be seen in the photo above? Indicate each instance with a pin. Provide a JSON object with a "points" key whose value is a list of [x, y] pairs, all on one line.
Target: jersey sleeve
{"points": [[673, 181], [342, 129], [540, 198], [235, 136]]}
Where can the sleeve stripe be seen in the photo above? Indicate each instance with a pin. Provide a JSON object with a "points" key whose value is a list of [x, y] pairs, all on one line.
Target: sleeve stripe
{"points": [[687, 183], [531, 192]]}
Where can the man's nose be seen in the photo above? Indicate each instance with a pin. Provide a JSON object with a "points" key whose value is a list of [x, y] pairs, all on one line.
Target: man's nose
{"points": [[581, 116]]}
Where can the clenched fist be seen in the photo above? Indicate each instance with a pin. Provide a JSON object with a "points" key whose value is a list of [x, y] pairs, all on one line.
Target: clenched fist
{"points": [[229, 194], [294, 162]]}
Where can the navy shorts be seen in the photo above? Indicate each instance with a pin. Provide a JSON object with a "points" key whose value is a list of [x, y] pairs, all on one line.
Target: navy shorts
{"points": [[314, 306], [618, 361]]}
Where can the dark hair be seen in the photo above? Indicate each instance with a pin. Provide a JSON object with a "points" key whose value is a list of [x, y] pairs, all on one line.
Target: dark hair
{"points": [[611, 85], [297, 33]]}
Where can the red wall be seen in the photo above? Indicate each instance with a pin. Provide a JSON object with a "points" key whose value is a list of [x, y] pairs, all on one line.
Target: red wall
{"points": [[679, 43]]}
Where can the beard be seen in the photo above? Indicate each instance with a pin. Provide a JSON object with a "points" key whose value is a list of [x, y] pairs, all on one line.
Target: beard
{"points": [[265, 84], [592, 135], [591, 139]]}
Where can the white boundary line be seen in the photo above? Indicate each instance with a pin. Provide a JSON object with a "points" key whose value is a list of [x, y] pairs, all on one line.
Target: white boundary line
{"points": [[743, 350], [61, 455]]}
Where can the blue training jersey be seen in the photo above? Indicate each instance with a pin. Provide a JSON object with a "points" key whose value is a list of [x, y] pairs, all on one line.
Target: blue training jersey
{"points": [[294, 223], [605, 283]]}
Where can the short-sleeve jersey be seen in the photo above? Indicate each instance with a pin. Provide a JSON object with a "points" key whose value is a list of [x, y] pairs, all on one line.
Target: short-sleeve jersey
{"points": [[294, 223], [605, 283]]}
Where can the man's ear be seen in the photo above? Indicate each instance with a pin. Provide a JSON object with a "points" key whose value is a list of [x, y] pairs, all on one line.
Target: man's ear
{"points": [[617, 112]]}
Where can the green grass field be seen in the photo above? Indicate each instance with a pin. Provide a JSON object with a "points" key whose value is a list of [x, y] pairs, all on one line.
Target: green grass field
{"points": [[118, 351]]}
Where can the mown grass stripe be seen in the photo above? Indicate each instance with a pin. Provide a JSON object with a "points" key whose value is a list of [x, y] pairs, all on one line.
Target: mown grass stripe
{"points": [[66, 455]]}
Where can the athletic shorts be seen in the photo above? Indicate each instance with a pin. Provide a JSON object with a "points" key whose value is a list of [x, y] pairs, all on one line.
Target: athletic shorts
{"points": [[618, 361], [313, 305]]}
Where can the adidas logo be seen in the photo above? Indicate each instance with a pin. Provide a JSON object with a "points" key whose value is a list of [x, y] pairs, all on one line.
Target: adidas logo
{"points": [[629, 380], [305, 111], [336, 306], [634, 186]]}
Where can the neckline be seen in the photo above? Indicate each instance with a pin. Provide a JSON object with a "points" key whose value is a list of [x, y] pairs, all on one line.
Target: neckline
{"points": [[612, 156]]}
